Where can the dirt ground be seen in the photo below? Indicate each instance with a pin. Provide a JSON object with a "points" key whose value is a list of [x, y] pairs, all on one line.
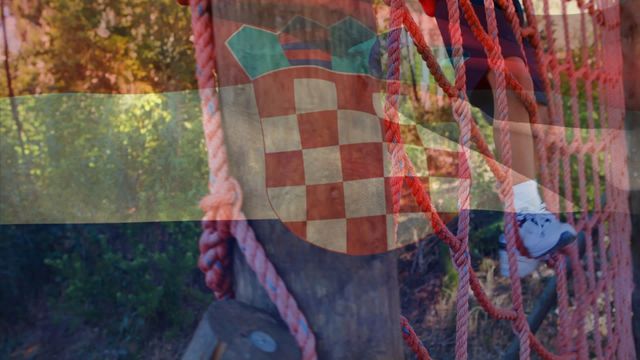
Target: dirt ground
{"points": [[51, 335]]}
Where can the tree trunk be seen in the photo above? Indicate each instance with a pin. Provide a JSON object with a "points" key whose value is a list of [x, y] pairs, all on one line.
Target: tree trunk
{"points": [[7, 69], [351, 302]]}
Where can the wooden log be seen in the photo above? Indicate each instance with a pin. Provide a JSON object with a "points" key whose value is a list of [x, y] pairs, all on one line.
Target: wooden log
{"points": [[351, 302], [231, 330], [546, 302]]}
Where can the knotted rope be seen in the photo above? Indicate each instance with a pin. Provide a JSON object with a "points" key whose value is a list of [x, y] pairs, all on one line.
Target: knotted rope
{"points": [[223, 215]]}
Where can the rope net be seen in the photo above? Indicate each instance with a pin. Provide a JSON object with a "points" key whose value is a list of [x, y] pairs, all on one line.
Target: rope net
{"points": [[591, 287]]}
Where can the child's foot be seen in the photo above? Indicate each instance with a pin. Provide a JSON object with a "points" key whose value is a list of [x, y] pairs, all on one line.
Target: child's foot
{"points": [[525, 265], [542, 233]]}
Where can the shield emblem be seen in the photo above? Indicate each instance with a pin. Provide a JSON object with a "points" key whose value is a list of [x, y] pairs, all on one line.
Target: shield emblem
{"points": [[317, 93]]}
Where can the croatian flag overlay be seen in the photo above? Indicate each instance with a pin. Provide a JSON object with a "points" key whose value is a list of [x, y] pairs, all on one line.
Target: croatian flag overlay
{"points": [[302, 102]]}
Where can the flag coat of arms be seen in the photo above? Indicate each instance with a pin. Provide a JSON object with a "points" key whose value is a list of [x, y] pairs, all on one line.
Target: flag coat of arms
{"points": [[301, 89]]}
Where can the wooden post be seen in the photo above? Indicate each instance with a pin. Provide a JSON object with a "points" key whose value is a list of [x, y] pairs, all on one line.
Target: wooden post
{"points": [[231, 330], [630, 32], [351, 302]]}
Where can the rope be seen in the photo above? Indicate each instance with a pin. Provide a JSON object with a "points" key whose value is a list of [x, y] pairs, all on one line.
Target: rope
{"points": [[496, 62], [558, 152], [412, 340], [224, 201], [462, 114]]}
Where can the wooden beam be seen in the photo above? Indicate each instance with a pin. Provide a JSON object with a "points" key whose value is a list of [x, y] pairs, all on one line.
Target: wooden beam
{"points": [[546, 303]]}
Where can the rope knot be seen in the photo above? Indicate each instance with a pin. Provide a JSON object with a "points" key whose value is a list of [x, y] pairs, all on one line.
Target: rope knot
{"points": [[223, 203]]}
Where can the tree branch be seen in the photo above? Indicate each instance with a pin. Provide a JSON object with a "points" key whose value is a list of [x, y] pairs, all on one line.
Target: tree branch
{"points": [[7, 69]]}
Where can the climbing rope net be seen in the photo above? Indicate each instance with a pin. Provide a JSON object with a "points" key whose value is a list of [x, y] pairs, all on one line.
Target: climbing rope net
{"points": [[600, 279]]}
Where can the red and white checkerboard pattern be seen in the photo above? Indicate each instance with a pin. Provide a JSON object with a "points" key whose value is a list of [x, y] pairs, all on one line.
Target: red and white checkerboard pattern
{"points": [[328, 170]]}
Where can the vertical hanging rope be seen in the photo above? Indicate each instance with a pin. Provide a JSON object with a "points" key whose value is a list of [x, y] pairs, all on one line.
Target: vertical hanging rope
{"points": [[497, 64], [462, 114], [391, 110], [223, 214]]}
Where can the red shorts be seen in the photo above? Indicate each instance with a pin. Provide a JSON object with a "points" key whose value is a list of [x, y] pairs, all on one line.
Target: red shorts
{"points": [[476, 63]]}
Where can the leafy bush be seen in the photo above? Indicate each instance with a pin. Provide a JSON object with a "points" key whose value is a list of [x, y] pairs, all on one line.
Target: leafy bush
{"points": [[128, 277], [130, 281], [23, 274]]}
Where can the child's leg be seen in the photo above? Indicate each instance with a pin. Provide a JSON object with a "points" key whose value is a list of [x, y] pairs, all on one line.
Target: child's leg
{"points": [[541, 232], [523, 161], [523, 154]]}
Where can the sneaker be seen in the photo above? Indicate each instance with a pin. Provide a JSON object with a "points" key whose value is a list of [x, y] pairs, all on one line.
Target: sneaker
{"points": [[525, 265], [542, 232]]}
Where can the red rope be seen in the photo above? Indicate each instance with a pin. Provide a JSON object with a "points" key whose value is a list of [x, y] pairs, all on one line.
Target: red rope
{"points": [[559, 152], [496, 62], [225, 200], [413, 342]]}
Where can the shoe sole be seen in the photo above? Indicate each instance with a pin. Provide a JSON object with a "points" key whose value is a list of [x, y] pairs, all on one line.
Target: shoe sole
{"points": [[523, 263], [566, 238]]}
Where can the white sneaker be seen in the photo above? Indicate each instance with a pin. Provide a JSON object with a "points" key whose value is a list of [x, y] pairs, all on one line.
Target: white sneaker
{"points": [[525, 265], [542, 232]]}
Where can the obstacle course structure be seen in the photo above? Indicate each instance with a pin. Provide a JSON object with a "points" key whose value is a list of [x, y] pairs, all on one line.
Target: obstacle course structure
{"points": [[598, 288]]}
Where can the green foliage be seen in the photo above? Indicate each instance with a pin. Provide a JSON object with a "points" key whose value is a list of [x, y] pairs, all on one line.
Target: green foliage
{"points": [[128, 279], [23, 274], [128, 276], [95, 158], [115, 138], [450, 277], [103, 46]]}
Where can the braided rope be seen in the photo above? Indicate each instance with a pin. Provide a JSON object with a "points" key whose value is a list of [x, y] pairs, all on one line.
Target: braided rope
{"points": [[413, 342], [592, 281], [462, 114], [496, 62], [391, 110], [223, 215]]}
